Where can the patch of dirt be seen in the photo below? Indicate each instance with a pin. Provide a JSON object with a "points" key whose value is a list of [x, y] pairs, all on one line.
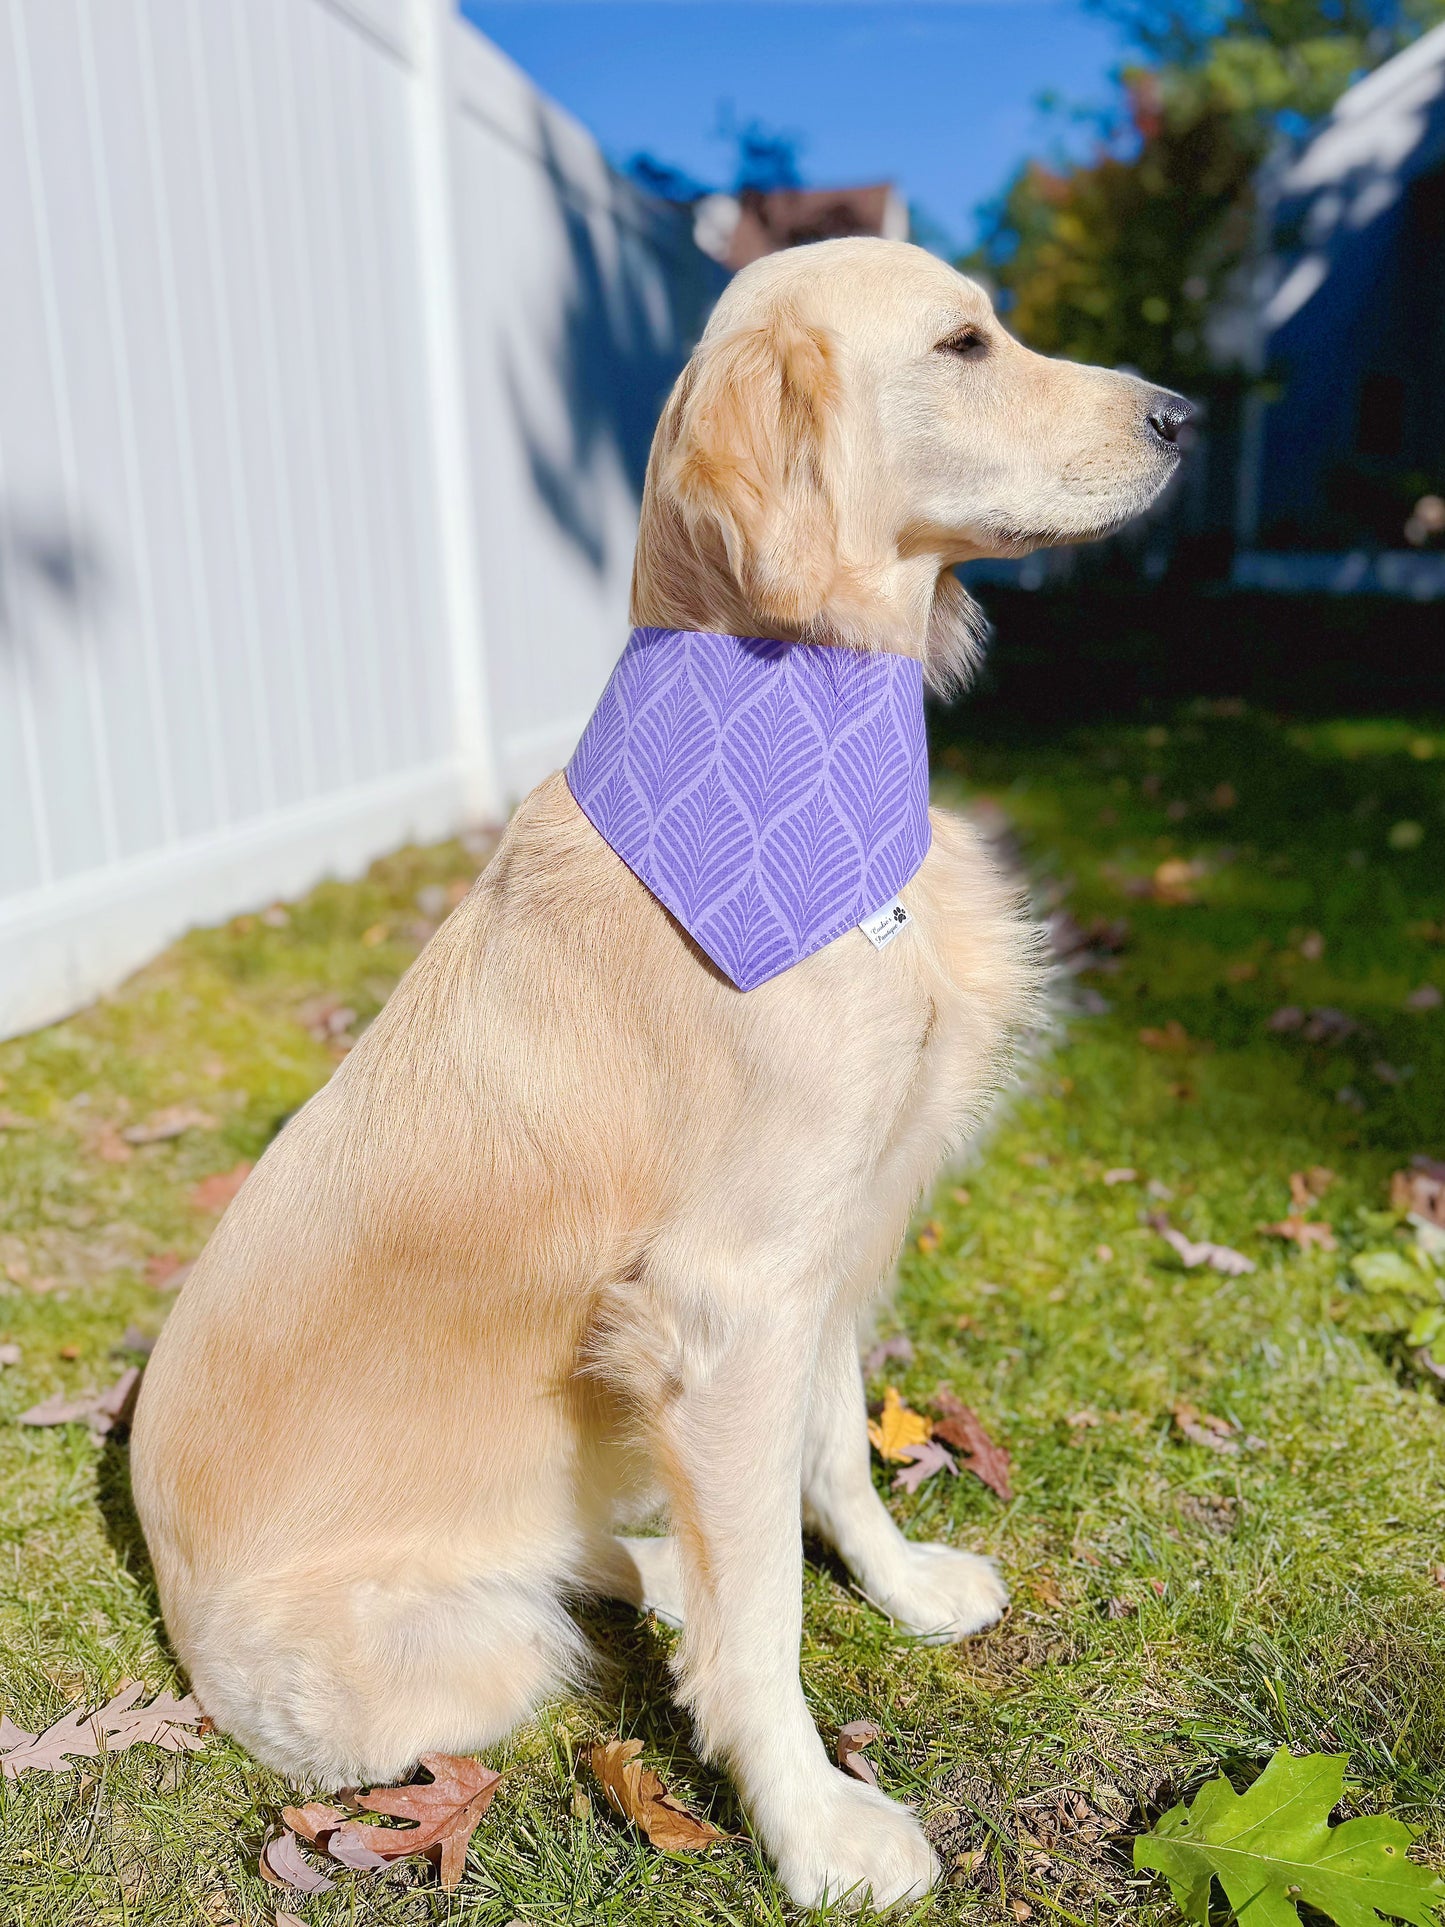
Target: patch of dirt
{"points": [[1072, 1837]]}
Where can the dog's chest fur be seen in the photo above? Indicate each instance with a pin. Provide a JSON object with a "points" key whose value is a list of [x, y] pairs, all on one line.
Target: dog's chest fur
{"points": [[801, 1120]]}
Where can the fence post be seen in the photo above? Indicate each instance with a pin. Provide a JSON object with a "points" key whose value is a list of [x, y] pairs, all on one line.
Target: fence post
{"points": [[433, 113]]}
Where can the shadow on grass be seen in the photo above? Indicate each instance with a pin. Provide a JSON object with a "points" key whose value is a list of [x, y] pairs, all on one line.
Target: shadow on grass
{"points": [[122, 1528]]}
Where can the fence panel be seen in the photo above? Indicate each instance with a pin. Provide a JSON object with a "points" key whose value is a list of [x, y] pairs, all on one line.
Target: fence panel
{"points": [[328, 356]]}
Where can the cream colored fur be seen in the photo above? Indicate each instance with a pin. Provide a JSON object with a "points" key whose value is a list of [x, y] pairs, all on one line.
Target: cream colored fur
{"points": [[577, 1225]]}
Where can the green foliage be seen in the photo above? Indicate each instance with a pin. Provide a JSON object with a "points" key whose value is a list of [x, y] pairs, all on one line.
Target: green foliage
{"points": [[1118, 260], [1404, 1287], [1122, 256], [1273, 1846]]}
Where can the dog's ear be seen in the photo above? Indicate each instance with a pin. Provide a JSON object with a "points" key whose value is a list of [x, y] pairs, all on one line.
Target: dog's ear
{"points": [[750, 456]]}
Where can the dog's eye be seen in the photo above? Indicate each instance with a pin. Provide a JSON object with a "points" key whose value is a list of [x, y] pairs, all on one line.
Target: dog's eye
{"points": [[967, 340]]}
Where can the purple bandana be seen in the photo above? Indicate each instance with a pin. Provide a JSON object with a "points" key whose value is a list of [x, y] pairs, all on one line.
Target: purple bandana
{"points": [[771, 795]]}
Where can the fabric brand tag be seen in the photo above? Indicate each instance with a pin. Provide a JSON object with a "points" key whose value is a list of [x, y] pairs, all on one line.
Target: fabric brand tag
{"points": [[884, 925]]}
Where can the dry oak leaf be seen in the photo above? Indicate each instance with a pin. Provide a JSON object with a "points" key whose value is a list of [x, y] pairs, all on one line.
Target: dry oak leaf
{"points": [[1217, 1434], [283, 1864], [897, 1427], [101, 1411], [962, 1428], [851, 1741], [1173, 1039], [1174, 879], [923, 1461], [1308, 1187], [313, 1821], [899, 1347], [109, 1146], [1301, 1231], [1221, 1258], [1420, 1191], [172, 1122], [216, 1192], [447, 1809], [167, 1270], [110, 1728], [319, 1826], [636, 1792]]}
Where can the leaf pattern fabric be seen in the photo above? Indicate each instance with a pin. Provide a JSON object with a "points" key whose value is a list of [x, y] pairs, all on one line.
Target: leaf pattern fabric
{"points": [[770, 795]]}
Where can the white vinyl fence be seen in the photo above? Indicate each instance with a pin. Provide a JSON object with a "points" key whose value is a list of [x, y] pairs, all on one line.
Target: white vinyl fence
{"points": [[329, 355]]}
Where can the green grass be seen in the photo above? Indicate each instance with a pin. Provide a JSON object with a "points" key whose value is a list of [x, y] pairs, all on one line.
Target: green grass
{"points": [[1175, 1609]]}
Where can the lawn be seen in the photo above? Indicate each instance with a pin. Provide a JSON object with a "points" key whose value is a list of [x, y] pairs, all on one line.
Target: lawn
{"points": [[1176, 1608]]}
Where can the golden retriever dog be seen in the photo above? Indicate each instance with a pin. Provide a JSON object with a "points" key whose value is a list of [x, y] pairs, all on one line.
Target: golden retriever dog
{"points": [[579, 1229]]}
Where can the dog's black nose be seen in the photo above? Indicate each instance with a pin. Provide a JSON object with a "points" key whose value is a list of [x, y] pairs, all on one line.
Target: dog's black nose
{"points": [[1168, 417]]}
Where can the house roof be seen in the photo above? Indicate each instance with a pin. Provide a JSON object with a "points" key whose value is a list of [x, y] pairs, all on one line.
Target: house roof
{"points": [[742, 229]]}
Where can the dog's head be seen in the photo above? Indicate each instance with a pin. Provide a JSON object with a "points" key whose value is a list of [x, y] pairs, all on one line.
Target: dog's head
{"points": [[854, 422]]}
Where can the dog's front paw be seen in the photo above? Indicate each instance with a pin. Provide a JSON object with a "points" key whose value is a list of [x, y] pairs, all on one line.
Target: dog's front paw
{"points": [[942, 1594], [851, 1844]]}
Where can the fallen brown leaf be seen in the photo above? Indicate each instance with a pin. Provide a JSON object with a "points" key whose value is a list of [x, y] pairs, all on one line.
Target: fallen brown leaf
{"points": [[110, 1728], [172, 1122], [447, 1809], [963, 1429], [166, 1270], [1221, 1258], [897, 1427], [929, 1236], [1217, 1434], [1173, 881], [1420, 1191], [109, 1146], [101, 1411], [281, 1919], [133, 1339], [1308, 1187], [313, 1821], [216, 1192], [1301, 1231], [922, 1462], [899, 1347], [636, 1792], [328, 1019], [283, 1864], [1173, 1039], [851, 1741]]}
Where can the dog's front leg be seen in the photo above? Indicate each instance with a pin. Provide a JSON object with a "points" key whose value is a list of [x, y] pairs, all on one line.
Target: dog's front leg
{"points": [[728, 1437], [935, 1591]]}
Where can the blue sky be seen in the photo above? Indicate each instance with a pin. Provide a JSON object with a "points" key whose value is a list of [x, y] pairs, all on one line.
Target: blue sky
{"points": [[938, 97]]}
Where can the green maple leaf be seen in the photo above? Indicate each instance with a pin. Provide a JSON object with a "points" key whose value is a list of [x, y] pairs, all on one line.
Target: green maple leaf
{"points": [[1274, 1845]]}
